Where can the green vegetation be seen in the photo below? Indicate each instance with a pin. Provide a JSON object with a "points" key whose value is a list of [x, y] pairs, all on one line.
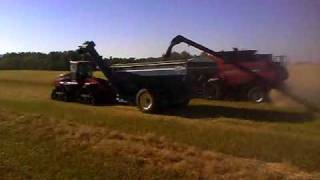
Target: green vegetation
{"points": [[37, 61], [264, 132], [29, 152]]}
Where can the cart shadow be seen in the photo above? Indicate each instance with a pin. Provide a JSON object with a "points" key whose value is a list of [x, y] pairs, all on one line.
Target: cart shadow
{"points": [[206, 111]]}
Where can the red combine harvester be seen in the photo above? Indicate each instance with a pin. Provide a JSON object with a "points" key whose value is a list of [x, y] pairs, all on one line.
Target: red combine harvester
{"points": [[240, 74]]}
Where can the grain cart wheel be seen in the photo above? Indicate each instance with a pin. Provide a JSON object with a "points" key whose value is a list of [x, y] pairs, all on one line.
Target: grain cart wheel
{"points": [[257, 94], [146, 101]]}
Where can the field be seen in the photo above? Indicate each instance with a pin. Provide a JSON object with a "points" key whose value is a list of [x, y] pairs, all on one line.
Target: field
{"points": [[45, 139]]}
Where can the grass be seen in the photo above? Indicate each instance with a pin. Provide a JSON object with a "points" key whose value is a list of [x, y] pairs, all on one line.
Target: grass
{"points": [[35, 147], [275, 132], [31, 153]]}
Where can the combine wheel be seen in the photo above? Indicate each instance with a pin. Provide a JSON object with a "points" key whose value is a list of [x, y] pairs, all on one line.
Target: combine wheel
{"points": [[257, 94], [146, 101]]}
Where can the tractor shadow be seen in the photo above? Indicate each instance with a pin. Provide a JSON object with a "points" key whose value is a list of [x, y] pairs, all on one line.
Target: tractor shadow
{"points": [[209, 111]]}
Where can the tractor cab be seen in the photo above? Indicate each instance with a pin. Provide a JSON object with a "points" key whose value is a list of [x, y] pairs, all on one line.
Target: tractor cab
{"points": [[80, 70]]}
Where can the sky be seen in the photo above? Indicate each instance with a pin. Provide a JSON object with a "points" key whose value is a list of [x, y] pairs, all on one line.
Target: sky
{"points": [[144, 28]]}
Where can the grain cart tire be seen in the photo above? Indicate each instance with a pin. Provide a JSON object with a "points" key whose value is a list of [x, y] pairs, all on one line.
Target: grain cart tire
{"points": [[257, 94], [146, 101], [213, 90]]}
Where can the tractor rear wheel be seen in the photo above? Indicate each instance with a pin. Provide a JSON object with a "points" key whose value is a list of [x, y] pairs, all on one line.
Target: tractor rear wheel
{"points": [[146, 101]]}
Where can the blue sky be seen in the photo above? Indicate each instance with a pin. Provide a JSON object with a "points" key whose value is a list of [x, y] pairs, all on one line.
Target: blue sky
{"points": [[143, 28]]}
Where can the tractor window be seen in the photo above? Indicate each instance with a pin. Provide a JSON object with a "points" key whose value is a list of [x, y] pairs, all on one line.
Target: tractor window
{"points": [[85, 70]]}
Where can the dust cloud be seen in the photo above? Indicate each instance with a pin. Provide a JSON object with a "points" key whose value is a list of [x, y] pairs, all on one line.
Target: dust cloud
{"points": [[301, 90]]}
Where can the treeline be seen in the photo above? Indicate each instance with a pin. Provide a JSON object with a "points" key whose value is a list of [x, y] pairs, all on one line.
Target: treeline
{"points": [[38, 61], [60, 60]]}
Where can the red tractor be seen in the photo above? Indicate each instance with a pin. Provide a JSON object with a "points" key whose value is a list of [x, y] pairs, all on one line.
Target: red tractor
{"points": [[80, 85], [239, 74]]}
